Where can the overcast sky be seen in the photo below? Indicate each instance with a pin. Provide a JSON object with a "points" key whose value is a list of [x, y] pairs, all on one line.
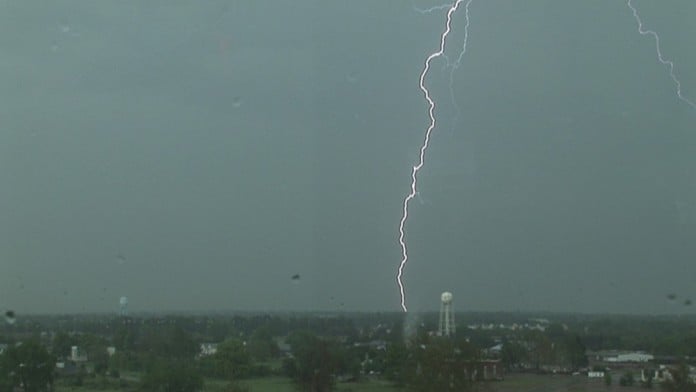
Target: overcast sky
{"points": [[197, 155]]}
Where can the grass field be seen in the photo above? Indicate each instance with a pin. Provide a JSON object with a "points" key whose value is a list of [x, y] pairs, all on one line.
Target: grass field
{"points": [[512, 383], [268, 384], [281, 384]]}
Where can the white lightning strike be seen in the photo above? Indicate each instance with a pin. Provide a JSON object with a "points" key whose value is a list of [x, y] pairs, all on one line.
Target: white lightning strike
{"points": [[424, 147], [432, 9], [662, 60], [455, 66]]}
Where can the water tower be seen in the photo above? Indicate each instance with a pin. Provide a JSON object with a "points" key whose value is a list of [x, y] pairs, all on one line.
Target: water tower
{"points": [[446, 327], [123, 306]]}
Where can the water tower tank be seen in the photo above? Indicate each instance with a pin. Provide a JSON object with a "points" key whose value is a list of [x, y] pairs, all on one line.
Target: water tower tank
{"points": [[446, 297]]}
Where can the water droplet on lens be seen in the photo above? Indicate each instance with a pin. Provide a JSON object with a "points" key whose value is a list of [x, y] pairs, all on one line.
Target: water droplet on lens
{"points": [[10, 317]]}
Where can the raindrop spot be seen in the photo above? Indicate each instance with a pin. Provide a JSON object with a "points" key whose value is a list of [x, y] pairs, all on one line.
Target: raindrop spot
{"points": [[10, 317]]}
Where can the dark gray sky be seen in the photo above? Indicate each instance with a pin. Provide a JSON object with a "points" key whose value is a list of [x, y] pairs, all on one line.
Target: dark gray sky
{"points": [[196, 155]]}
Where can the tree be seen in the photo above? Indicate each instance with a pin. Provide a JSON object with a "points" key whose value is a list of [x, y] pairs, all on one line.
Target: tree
{"points": [[62, 342], [513, 354], [607, 378], [27, 364], [627, 380], [261, 344], [541, 349], [125, 360], [439, 366], [649, 374], [575, 351], [396, 363], [95, 348], [680, 381], [169, 342], [124, 338], [231, 361], [172, 375], [555, 331], [315, 362]]}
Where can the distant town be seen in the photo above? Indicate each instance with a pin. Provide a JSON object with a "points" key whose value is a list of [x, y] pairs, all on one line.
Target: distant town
{"points": [[441, 351]]}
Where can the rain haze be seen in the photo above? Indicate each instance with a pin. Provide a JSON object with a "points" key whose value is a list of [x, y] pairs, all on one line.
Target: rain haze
{"points": [[251, 155]]}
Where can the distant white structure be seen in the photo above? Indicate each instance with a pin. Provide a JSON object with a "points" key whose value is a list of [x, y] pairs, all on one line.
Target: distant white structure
{"points": [[208, 349], [123, 306], [77, 355], [446, 327], [621, 356], [631, 357]]}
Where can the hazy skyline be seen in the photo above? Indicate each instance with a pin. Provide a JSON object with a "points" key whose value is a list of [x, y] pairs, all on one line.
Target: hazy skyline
{"points": [[198, 156]]}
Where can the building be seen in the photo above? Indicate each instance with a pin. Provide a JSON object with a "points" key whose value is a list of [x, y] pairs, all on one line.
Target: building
{"points": [[616, 356], [494, 351], [484, 370], [208, 349], [76, 355]]}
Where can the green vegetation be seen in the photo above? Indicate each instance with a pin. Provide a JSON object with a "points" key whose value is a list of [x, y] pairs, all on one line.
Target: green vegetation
{"points": [[231, 362], [325, 353], [607, 379], [627, 380], [28, 364], [172, 375], [680, 381]]}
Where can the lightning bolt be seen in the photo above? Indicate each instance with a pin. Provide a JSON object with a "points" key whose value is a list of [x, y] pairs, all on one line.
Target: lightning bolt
{"points": [[414, 171], [431, 9], [452, 65], [669, 64], [456, 64]]}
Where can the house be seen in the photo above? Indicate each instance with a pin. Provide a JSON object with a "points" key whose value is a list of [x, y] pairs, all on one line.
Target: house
{"points": [[484, 370], [67, 368], [373, 344], [661, 374], [631, 357], [284, 348], [208, 349], [494, 351], [76, 355], [616, 356], [664, 373]]}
